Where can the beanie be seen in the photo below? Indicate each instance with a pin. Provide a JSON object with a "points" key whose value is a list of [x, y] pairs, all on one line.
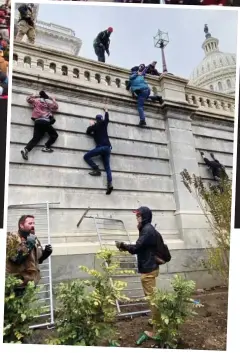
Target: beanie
{"points": [[99, 117], [110, 29]]}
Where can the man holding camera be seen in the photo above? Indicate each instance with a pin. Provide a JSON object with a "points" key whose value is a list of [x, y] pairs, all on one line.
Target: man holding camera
{"points": [[25, 253], [42, 115]]}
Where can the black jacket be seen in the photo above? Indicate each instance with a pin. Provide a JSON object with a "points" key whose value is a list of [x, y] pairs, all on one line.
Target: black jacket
{"points": [[99, 132], [104, 39], [145, 247]]}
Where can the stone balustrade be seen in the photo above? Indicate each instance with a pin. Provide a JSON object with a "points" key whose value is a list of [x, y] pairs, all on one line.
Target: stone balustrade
{"points": [[57, 66]]}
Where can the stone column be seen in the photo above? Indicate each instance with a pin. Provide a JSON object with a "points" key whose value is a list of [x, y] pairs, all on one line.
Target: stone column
{"points": [[192, 224]]}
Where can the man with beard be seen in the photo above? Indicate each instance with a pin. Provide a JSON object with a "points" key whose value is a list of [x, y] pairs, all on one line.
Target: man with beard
{"points": [[25, 253], [151, 253], [101, 44]]}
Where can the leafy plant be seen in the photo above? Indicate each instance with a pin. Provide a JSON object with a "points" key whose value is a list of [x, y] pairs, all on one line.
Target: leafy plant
{"points": [[171, 310], [215, 202], [87, 308], [18, 313]]}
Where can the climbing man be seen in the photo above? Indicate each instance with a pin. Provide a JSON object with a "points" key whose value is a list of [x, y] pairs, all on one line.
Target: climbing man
{"points": [[25, 253], [152, 69], [98, 130], [43, 108], [147, 249], [101, 44], [140, 88], [217, 169], [26, 23]]}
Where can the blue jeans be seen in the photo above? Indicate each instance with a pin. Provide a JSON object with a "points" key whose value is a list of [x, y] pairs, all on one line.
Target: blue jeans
{"points": [[144, 95], [104, 152]]}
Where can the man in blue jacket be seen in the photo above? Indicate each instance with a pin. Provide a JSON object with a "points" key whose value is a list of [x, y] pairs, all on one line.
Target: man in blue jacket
{"points": [[98, 131], [140, 88]]}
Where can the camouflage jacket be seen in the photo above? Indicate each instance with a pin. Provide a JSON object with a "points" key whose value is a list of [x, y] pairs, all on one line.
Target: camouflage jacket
{"points": [[22, 259]]}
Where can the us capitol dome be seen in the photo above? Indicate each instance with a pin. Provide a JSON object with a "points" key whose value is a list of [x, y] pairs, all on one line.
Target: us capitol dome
{"points": [[217, 71]]}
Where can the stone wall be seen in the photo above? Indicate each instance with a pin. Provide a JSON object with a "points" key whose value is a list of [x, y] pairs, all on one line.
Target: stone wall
{"points": [[146, 163]]}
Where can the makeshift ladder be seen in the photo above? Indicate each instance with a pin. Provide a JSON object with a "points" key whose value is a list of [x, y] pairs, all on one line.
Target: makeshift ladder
{"points": [[108, 231], [41, 213]]}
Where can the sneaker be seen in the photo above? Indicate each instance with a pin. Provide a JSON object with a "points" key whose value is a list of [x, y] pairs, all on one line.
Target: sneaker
{"points": [[142, 123], [24, 153], [160, 100], [109, 189], [46, 149], [95, 172]]}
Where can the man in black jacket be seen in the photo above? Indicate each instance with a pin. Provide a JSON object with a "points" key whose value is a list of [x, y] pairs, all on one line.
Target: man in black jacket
{"points": [[145, 249], [101, 44], [217, 169], [98, 131]]}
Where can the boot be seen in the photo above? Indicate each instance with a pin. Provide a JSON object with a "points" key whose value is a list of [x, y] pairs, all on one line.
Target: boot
{"points": [[24, 153], [160, 100], [109, 188], [95, 172], [142, 123], [47, 149]]}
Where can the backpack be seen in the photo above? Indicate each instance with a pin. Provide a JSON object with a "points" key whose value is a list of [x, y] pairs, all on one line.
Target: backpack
{"points": [[162, 254]]}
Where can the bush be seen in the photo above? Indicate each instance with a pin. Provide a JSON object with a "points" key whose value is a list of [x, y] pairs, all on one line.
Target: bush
{"points": [[18, 314], [215, 202], [172, 310], [87, 308]]}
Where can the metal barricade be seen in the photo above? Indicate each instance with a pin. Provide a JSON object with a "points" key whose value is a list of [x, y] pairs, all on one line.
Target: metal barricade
{"points": [[41, 213], [108, 231]]}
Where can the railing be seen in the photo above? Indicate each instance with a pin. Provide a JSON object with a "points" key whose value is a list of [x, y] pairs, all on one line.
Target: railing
{"points": [[54, 65]]}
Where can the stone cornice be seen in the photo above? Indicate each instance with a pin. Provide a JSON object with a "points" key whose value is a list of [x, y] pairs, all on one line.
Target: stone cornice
{"points": [[175, 90]]}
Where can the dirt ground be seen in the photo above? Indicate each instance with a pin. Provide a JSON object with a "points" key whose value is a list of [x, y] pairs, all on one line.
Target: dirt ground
{"points": [[207, 331]]}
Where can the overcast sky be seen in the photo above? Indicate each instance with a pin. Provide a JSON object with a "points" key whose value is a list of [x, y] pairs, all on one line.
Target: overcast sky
{"points": [[134, 28]]}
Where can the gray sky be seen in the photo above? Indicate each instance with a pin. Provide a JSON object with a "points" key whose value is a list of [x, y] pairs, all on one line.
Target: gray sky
{"points": [[134, 28]]}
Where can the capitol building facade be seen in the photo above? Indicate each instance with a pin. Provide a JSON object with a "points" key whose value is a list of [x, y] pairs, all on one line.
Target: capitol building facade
{"points": [[217, 71]]}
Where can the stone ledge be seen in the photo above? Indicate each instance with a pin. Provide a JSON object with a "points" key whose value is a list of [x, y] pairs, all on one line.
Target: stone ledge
{"points": [[92, 248]]}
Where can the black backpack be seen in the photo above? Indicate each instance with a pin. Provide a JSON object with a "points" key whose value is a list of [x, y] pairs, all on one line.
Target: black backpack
{"points": [[162, 254]]}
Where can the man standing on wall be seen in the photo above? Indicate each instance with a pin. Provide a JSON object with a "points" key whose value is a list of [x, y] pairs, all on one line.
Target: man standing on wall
{"points": [[101, 44], [25, 253], [140, 88], [26, 23], [43, 119], [98, 131]]}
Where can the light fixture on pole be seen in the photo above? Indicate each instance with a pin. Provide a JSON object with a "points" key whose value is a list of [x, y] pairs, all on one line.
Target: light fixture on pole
{"points": [[161, 40]]}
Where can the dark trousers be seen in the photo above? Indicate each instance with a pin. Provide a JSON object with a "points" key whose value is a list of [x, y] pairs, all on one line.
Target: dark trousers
{"points": [[100, 52], [104, 152], [40, 128], [215, 168], [142, 96], [3, 133]]}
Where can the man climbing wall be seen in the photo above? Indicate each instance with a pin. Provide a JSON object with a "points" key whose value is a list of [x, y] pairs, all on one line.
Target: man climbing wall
{"points": [[98, 131]]}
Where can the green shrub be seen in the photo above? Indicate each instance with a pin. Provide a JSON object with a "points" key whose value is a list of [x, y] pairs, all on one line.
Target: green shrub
{"points": [[86, 309], [172, 310], [215, 202], [18, 314]]}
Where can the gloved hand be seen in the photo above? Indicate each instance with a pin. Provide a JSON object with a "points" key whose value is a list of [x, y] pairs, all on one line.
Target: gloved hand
{"points": [[31, 242], [48, 249], [108, 52], [120, 246]]}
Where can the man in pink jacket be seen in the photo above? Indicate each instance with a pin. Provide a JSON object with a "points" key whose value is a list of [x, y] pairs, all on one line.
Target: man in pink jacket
{"points": [[43, 108]]}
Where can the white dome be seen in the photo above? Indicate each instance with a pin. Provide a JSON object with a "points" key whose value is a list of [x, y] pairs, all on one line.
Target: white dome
{"points": [[217, 71]]}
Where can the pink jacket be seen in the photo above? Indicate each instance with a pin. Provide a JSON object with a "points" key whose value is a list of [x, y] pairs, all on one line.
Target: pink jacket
{"points": [[42, 109]]}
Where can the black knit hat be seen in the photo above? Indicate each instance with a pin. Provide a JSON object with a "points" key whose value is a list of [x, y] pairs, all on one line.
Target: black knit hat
{"points": [[43, 95]]}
